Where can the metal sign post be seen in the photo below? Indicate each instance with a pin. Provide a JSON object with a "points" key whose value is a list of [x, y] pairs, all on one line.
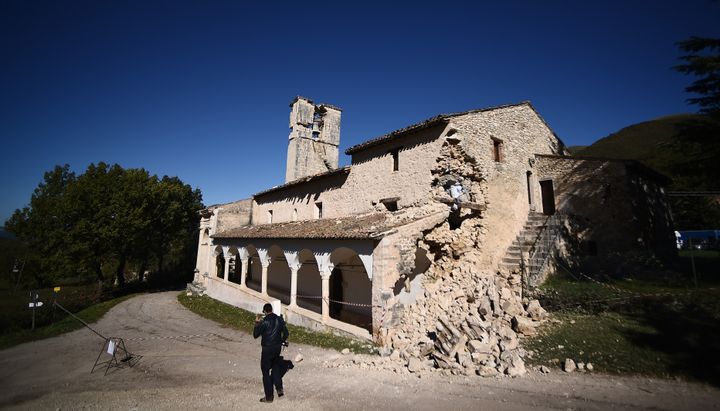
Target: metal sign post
{"points": [[34, 303]]}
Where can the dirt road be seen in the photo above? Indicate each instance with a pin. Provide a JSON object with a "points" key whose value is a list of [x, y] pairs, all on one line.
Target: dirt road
{"points": [[190, 363]]}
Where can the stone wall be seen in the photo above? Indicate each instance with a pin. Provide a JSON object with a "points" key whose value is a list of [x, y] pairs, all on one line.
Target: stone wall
{"points": [[614, 207], [235, 214], [522, 134], [371, 179]]}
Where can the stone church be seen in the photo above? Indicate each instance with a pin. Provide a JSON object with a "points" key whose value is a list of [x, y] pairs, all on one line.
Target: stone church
{"points": [[457, 216]]}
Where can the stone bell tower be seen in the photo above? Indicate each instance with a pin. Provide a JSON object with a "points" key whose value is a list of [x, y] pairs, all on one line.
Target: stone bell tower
{"points": [[314, 139]]}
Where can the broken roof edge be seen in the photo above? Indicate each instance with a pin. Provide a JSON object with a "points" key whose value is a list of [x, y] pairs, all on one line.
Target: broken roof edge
{"points": [[435, 120], [313, 103], [627, 161], [367, 226], [214, 206], [301, 180]]}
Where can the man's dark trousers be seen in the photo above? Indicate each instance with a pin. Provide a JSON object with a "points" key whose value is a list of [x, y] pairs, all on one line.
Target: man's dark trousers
{"points": [[270, 361]]}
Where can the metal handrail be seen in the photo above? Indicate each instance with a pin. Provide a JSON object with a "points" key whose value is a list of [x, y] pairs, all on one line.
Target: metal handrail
{"points": [[544, 245]]}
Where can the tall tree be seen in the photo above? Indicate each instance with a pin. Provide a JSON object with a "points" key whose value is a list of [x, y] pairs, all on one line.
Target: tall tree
{"points": [[703, 61], [44, 224], [106, 219]]}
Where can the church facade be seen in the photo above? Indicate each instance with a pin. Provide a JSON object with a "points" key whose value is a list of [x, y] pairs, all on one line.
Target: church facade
{"points": [[353, 249]]}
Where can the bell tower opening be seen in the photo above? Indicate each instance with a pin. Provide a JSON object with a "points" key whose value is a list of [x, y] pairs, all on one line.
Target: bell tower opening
{"points": [[314, 139]]}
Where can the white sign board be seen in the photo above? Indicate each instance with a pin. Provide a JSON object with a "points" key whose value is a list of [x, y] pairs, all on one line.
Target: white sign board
{"points": [[111, 347], [277, 307], [35, 305]]}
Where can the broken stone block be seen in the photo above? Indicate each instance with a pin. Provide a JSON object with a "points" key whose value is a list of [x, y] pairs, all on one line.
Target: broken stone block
{"points": [[589, 366], [345, 351], [569, 365], [516, 367], [544, 369], [523, 325], [476, 346], [508, 344], [480, 358], [298, 358], [415, 365], [486, 371], [511, 307], [535, 311]]}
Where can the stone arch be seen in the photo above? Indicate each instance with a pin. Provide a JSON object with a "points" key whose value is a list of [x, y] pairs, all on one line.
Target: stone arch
{"points": [[234, 267], [350, 289], [309, 285], [253, 279], [219, 261], [278, 275]]}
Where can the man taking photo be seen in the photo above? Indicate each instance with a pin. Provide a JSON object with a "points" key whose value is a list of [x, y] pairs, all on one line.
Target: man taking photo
{"points": [[274, 334]]}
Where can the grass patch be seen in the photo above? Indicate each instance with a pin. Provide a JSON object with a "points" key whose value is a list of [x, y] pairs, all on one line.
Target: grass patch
{"points": [[90, 315], [699, 253], [646, 328], [243, 320]]}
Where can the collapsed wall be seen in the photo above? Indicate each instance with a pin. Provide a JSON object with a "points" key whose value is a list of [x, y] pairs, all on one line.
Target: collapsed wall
{"points": [[467, 317]]}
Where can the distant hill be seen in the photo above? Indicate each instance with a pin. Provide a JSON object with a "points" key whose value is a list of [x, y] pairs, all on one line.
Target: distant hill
{"points": [[684, 147], [5, 234], [575, 149]]}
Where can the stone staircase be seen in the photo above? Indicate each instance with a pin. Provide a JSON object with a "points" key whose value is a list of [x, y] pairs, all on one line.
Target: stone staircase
{"points": [[523, 244]]}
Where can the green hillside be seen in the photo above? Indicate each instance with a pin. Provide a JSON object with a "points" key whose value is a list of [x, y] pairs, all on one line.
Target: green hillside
{"points": [[684, 147]]}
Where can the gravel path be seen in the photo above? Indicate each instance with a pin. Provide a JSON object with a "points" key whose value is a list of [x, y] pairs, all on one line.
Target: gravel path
{"points": [[188, 362]]}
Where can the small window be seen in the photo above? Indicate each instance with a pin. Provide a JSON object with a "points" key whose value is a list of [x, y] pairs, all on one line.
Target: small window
{"points": [[391, 204], [396, 159], [497, 150], [318, 210], [269, 216], [294, 215]]}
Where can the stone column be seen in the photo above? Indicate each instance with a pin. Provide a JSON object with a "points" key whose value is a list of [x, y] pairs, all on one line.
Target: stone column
{"points": [[265, 264], [226, 273], [325, 276], [243, 271], [293, 284]]}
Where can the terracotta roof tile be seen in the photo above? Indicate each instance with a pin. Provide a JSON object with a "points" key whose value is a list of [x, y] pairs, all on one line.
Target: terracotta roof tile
{"points": [[356, 227]]}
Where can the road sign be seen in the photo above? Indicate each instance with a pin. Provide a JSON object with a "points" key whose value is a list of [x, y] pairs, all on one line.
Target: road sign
{"points": [[35, 305], [56, 289]]}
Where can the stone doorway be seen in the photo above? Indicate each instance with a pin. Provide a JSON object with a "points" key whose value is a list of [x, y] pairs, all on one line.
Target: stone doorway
{"points": [[548, 197]]}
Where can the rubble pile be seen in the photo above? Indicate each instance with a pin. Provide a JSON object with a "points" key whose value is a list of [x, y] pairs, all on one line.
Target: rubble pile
{"points": [[468, 319], [467, 322]]}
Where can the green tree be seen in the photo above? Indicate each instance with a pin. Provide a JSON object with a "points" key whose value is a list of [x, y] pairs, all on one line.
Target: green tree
{"points": [[44, 224], [175, 224], [703, 61], [106, 220]]}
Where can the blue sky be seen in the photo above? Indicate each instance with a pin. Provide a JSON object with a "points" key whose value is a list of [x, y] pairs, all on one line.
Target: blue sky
{"points": [[200, 90]]}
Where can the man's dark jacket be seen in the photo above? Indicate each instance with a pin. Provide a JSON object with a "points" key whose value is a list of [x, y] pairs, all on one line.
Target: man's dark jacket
{"points": [[273, 330]]}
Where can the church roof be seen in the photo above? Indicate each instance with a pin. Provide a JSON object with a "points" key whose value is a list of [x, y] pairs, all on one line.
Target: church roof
{"points": [[422, 125], [306, 179], [362, 227]]}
